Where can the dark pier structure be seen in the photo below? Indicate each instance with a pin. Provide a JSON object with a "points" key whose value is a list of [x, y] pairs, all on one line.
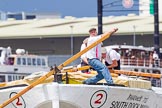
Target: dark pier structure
{"points": [[156, 27]]}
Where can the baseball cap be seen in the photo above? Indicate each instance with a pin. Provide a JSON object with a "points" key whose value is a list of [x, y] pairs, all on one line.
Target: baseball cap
{"points": [[92, 29], [103, 50]]}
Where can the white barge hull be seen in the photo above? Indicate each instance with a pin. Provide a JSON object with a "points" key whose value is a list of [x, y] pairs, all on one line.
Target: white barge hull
{"points": [[55, 95]]}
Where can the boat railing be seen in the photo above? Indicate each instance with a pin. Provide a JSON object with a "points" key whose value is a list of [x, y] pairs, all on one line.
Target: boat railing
{"points": [[141, 62]]}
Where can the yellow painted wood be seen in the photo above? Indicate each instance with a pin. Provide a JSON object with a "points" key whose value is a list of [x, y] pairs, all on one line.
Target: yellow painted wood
{"points": [[133, 73], [125, 72]]}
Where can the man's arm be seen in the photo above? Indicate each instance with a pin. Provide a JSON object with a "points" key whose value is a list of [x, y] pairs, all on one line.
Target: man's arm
{"points": [[110, 32], [114, 64]]}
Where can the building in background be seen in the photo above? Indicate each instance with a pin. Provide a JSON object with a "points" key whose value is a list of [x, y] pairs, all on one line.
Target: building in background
{"points": [[110, 8], [27, 16], [147, 7]]}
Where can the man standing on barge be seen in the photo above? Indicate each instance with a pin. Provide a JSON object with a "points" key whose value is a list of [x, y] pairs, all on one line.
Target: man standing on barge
{"points": [[93, 57]]}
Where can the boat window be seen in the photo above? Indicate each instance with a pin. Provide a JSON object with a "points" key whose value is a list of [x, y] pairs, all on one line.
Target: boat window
{"points": [[21, 77], [10, 61], [13, 77], [2, 78], [33, 61], [38, 61], [18, 61], [43, 62], [9, 78], [148, 71], [17, 77], [29, 61], [136, 70], [24, 61], [142, 70]]}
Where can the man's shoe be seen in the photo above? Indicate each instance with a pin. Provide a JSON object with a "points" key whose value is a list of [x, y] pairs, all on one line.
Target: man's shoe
{"points": [[84, 82]]}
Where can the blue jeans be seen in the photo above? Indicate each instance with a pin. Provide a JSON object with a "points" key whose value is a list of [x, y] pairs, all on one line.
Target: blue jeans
{"points": [[102, 71]]}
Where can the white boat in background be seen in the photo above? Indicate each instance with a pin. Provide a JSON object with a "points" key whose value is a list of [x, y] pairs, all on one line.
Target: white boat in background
{"points": [[17, 66], [137, 58]]}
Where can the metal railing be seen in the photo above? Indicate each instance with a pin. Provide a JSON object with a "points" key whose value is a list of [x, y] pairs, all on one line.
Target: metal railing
{"points": [[141, 62]]}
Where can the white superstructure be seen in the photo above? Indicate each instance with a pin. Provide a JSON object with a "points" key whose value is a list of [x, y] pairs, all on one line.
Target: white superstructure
{"points": [[16, 66], [139, 59]]}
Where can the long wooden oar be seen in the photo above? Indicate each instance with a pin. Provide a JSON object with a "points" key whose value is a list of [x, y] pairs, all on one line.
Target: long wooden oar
{"points": [[133, 73], [125, 72], [75, 69], [41, 79]]}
